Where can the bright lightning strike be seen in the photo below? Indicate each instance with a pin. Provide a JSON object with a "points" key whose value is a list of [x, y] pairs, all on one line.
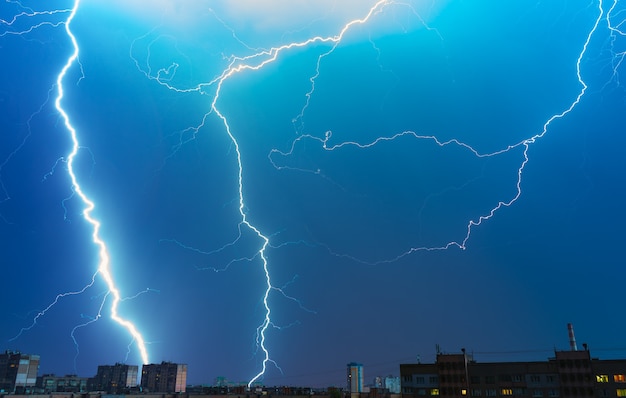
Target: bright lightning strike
{"points": [[258, 60], [104, 269], [23, 23]]}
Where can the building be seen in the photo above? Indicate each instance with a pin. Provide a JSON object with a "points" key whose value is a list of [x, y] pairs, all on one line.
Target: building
{"points": [[50, 383], [392, 384], [355, 378], [568, 374], [166, 377], [18, 372], [114, 379]]}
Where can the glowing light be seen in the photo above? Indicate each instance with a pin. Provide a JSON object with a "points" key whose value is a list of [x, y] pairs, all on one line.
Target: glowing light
{"points": [[255, 61], [258, 60], [103, 270], [104, 266]]}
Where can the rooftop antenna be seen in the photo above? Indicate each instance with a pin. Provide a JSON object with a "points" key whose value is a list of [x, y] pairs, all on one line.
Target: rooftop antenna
{"points": [[572, 339]]}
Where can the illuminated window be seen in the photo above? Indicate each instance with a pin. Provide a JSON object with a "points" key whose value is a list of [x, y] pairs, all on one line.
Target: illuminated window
{"points": [[602, 378], [619, 378], [506, 391], [621, 392], [434, 391], [464, 392]]}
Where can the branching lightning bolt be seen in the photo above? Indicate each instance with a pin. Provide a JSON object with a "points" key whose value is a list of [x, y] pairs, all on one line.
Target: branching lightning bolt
{"points": [[258, 60], [103, 269]]}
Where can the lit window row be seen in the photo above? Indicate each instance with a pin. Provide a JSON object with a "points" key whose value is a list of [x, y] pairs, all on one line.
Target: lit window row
{"points": [[618, 378]]}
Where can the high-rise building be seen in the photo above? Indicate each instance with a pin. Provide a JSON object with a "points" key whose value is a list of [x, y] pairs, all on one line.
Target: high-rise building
{"points": [[18, 372], [166, 377], [114, 379], [355, 378]]}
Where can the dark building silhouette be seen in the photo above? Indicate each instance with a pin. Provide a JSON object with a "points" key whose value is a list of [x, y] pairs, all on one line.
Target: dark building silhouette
{"points": [[166, 377], [18, 372], [50, 383], [114, 379], [568, 374]]}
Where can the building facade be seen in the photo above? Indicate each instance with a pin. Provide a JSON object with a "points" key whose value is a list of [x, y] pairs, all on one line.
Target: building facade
{"points": [[50, 383], [114, 379], [166, 377], [18, 372], [355, 377], [568, 374]]}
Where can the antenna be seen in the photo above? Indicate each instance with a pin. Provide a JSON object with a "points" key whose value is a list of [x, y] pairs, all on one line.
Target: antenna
{"points": [[572, 339]]}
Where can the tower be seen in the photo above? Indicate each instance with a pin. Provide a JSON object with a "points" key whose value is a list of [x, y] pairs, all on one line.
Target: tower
{"points": [[355, 378]]}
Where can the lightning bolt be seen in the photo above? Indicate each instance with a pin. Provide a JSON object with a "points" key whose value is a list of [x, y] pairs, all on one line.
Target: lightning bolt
{"points": [[14, 27], [258, 60], [104, 269]]}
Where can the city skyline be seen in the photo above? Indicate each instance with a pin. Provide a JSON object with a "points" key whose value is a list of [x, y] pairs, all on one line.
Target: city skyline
{"points": [[260, 189]]}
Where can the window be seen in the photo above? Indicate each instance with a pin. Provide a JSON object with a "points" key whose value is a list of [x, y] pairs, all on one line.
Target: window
{"points": [[621, 392], [550, 378], [602, 378], [463, 391], [490, 379], [537, 393], [619, 378], [434, 391], [421, 391], [491, 392], [476, 392], [517, 378], [553, 393], [535, 379], [506, 391], [419, 379], [433, 380], [519, 392]]}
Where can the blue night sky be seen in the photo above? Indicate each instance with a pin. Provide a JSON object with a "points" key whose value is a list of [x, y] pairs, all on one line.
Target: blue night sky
{"points": [[350, 172]]}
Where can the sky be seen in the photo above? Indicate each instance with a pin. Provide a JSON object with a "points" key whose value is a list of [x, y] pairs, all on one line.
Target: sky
{"points": [[269, 190]]}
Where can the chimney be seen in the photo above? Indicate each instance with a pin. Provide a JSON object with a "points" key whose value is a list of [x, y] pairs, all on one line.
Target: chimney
{"points": [[572, 339]]}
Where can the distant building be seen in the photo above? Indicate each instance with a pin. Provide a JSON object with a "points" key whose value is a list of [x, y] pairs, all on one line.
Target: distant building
{"points": [[70, 383], [568, 374], [355, 377], [392, 384], [166, 377], [18, 372], [114, 379]]}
